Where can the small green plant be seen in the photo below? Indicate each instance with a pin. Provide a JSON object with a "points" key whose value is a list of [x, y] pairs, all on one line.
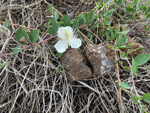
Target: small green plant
{"points": [[139, 60], [23, 38]]}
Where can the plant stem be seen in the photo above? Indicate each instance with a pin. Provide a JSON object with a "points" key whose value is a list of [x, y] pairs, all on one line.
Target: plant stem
{"points": [[25, 47], [131, 72], [39, 42], [6, 54]]}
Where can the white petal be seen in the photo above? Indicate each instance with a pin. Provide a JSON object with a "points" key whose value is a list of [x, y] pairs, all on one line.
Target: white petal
{"points": [[74, 42], [69, 30], [62, 31], [61, 46]]}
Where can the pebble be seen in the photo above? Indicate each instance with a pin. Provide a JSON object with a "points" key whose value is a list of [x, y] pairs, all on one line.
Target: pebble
{"points": [[146, 44], [76, 65], [97, 57]]}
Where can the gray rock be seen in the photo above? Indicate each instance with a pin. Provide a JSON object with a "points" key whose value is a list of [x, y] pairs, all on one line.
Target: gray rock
{"points": [[97, 56]]}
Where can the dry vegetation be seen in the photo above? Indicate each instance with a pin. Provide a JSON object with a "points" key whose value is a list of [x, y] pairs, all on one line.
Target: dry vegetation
{"points": [[30, 83]]}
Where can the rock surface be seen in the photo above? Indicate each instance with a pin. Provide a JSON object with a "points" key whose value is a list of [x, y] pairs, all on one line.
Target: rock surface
{"points": [[76, 65], [97, 56], [97, 59], [146, 45]]}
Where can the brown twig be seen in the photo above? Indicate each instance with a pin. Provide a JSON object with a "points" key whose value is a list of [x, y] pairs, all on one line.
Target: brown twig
{"points": [[118, 75]]}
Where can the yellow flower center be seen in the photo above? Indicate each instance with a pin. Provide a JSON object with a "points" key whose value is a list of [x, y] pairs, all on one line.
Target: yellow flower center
{"points": [[66, 35]]}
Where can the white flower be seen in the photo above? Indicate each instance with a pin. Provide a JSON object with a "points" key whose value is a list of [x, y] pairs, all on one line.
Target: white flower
{"points": [[66, 38]]}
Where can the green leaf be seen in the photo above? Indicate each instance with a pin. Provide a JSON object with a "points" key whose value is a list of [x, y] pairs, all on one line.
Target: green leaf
{"points": [[124, 39], [124, 85], [106, 1], [117, 43], [6, 24], [115, 35], [81, 20], [137, 5], [52, 53], [134, 67], [90, 17], [20, 34], [66, 20], [142, 59], [108, 22], [124, 32], [135, 99], [129, 9], [89, 34], [107, 37], [59, 55], [60, 68], [146, 97], [147, 11], [76, 24], [124, 67], [129, 16], [17, 50], [130, 45], [51, 9], [109, 13], [121, 12], [60, 23], [105, 6], [33, 36], [54, 27], [123, 55], [148, 15], [91, 14], [56, 15], [119, 2]]}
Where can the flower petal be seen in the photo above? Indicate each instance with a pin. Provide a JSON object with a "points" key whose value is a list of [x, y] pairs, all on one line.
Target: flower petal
{"points": [[69, 30], [61, 33], [63, 30], [61, 46], [74, 42]]}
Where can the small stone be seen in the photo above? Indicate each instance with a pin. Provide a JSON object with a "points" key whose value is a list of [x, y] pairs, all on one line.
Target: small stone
{"points": [[76, 65], [96, 55], [110, 53], [146, 44]]}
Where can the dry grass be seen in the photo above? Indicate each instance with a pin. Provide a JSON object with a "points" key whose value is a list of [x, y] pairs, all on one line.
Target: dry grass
{"points": [[29, 83]]}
